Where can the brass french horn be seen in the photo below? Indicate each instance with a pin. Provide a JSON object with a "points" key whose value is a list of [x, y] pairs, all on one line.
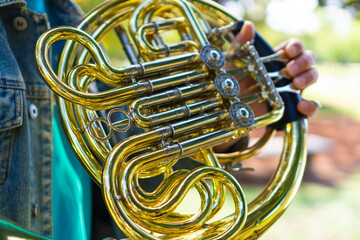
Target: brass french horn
{"points": [[186, 100]]}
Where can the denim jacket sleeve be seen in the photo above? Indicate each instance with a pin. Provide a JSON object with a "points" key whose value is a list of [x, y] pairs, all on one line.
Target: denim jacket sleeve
{"points": [[25, 118]]}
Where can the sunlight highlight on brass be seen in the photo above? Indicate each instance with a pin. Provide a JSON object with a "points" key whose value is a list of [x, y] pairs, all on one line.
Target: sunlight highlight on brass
{"points": [[185, 101]]}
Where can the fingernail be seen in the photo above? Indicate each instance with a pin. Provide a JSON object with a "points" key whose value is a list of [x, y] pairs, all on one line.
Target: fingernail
{"points": [[306, 105], [292, 69], [318, 104], [301, 82], [292, 50]]}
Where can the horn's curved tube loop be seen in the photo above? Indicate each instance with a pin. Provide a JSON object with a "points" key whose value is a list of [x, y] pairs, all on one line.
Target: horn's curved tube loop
{"points": [[186, 96]]}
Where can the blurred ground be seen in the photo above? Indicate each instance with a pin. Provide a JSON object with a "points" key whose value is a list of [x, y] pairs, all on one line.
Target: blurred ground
{"points": [[344, 158], [319, 212]]}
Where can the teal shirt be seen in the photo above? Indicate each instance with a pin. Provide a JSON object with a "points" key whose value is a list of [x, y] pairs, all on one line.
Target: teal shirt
{"points": [[36, 5], [71, 190]]}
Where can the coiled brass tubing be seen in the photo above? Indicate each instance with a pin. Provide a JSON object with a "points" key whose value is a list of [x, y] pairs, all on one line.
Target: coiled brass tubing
{"points": [[185, 101]]}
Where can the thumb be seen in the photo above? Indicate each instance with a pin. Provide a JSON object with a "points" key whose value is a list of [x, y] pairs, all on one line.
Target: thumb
{"points": [[247, 33]]}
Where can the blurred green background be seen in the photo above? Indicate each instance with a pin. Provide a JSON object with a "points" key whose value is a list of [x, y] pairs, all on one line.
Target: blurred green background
{"points": [[327, 205]]}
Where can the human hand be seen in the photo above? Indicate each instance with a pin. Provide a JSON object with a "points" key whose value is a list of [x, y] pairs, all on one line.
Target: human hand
{"points": [[299, 66]]}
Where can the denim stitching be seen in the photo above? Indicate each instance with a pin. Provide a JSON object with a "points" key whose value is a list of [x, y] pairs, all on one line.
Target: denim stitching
{"points": [[16, 115], [3, 176]]}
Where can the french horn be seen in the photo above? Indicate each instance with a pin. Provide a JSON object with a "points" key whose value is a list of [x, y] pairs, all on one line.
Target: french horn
{"points": [[182, 87]]}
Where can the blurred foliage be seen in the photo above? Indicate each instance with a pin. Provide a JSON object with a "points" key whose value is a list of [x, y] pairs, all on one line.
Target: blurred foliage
{"points": [[88, 5], [352, 5], [328, 44]]}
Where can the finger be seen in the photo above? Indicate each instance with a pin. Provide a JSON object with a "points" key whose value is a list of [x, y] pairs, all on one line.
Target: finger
{"points": [[292, 48], [247, 33], [305, 79], [281, 46], [308, 108], [299, 64]]}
